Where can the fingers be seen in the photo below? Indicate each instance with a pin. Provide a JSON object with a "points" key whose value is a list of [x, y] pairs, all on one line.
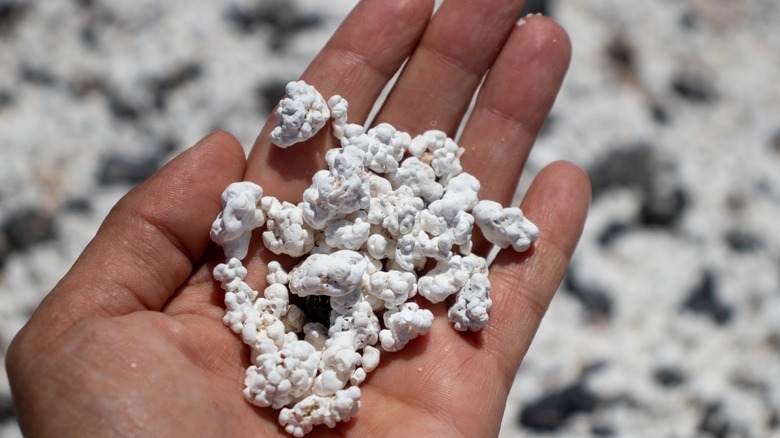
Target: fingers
{"points": [[147, 245], [458, 47], [358, 61], [524, 283], [512, 105]]}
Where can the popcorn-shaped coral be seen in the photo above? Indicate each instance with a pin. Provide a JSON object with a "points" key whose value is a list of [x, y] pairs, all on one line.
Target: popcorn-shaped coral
{"points": [[230, 274], [440, 151], [450, 276], [505, 226], [333, 274], [276, 274], [472, 304], [385, 209], [383, 145], [300, 115], [358, 322], [460, 196], [264, 332], [393, 288], [315, 410], [404, 323], [339, 108], [286, 232], [281, 377], [338, 363], [339, 191], [240, 214], [418, 176], [396, 211], [275, 300], [348, 233]]}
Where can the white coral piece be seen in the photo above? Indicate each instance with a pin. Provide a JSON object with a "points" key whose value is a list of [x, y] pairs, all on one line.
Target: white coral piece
{"points": [[240, 214], [300, 115], [440, 151], [339, 191], [393, 288], [315, 410], [505, 226], [383, 145], [348, 233], [396, 211], [404, 323], [420, 177], [334, 274], [283, 376], [286, 232], [472, 304], [450, 276], [460, 196]]}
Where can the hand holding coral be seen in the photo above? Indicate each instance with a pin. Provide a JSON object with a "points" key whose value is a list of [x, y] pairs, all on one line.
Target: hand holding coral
{"points": [[132, 340]]}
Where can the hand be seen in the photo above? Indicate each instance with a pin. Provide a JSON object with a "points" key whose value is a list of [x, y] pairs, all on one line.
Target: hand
{"points": [[131, 340]]}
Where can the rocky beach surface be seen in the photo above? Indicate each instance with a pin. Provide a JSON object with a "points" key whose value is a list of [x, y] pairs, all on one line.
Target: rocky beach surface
{"points": [[668, 321]]}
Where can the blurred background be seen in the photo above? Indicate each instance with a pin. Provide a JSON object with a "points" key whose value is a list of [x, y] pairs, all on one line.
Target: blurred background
{"points": [[668, 322]]}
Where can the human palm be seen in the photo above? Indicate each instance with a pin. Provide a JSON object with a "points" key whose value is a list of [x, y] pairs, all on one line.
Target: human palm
{"points": [[131, 340]]}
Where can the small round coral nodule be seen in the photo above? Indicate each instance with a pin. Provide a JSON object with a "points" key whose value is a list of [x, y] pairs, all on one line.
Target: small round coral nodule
{"points": [[368, 225]]}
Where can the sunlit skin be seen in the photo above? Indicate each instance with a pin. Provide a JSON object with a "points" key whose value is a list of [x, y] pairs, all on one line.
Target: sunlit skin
{"points": [[131, 340]]}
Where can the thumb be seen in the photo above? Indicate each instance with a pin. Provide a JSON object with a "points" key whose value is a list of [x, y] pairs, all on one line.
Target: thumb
{"points": [[147, 245]]}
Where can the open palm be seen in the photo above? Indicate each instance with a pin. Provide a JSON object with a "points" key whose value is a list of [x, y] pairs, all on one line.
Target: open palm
{"points": [[131, 341]]}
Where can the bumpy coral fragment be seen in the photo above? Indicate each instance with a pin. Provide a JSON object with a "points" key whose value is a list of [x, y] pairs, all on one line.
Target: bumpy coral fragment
{"points": [[299, 115], [240, 214], [472, 304], [505, 226], [404, 323], [333, 274]]}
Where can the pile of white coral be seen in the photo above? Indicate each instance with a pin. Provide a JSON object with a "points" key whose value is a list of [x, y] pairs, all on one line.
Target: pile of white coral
{"points": [[387, 204]]}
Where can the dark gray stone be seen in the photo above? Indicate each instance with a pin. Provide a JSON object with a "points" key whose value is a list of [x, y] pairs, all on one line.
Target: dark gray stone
{"points": [[281, 18], [622, 55], [77, 205], [316, 308], [116, 169], [163, 86], [37, 76], [596, 302], [713, 423], [6, 99], [269, 94], [536, 6], [122, 108], [11, 16], [613, 231], [659, 114], [552, 411], [704, 299], [28, 227], [669, 377], [6, 409], [629, 167], [694, 89], [662, 208], [743, 241], [637, 167], [774, 142]]}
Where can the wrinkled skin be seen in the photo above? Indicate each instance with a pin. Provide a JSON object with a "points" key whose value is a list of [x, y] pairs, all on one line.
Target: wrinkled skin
{"points": [[131, 342]]}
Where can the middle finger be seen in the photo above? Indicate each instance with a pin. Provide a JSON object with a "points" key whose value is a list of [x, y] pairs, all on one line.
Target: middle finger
{"points": [[457, 48]]}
